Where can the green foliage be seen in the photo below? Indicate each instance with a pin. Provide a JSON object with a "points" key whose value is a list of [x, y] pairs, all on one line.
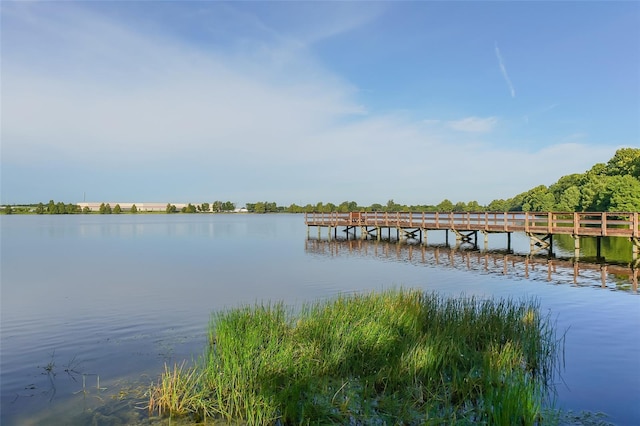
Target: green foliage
{"points": [[611, 186], [620, 194], [8, 209], [117, 209], [134, 209], [499, 206], [189, 208], [226, 206], [105, 208], [262, 207], [626, 161], [445, 206], [171, 208], [396, 357], [57, 208]]}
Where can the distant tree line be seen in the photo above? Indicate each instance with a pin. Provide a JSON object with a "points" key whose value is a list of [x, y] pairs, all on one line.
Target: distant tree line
{"points": [[610, 186]]}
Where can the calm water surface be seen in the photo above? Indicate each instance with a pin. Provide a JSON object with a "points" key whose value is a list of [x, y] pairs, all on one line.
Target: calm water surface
{"points": [[94, 306]]}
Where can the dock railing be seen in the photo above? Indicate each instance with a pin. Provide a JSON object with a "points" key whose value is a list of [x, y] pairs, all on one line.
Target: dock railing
{"points": [[605, 224]]}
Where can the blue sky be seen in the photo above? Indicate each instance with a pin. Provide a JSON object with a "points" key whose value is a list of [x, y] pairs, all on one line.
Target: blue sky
{"points": [[298, 102]]}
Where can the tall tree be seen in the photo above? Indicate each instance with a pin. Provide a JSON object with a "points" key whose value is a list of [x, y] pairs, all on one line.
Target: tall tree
{"points": [[626, 161]]}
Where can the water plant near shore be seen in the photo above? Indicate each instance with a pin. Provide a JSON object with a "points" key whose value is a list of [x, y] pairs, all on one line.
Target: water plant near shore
{"points": [[393, 357]]}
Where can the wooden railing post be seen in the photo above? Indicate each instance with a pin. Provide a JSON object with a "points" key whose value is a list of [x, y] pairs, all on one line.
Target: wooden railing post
{"points": [[603, 224], [550, 218]]}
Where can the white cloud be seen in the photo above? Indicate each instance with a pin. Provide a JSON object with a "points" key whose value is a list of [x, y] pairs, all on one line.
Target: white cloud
{"points": [[473, 124], [503, 69]]}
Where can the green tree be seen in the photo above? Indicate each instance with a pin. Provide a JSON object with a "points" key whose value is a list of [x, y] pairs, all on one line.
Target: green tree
{"points": [[8, 209], [86, 210], [40, 209], [445, 206], [498, 206], [626, 161], [343, 207], [569, 199], [271, 207], [591, 190], [117, 209], [205, 207], [51, 207], [72, 208], [460, 206], [392, 206], [171, 208], [134, 209], [621, 194], [538, 199], [259, 207], [474, 206]]}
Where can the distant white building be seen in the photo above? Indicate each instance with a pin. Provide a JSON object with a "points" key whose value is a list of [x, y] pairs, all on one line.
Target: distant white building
{"points": [[142, 207], [241, 210]]}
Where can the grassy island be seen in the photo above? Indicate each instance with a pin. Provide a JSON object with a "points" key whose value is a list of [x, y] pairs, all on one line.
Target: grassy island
{"points": [[393, 357]]}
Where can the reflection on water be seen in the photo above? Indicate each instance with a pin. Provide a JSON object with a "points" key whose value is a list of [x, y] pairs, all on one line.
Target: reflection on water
{"points": [[493, 262]]}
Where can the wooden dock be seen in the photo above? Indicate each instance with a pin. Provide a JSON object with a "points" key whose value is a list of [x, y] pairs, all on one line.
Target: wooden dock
{"points": [[538, 226]]}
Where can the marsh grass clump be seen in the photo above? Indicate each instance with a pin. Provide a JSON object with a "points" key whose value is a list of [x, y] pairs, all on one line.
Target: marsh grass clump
{"points": [[392, 357]]}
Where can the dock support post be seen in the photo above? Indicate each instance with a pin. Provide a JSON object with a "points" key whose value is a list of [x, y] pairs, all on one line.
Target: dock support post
{"points": [[635, 248], [540, 242], [425, 240], [598, 244], [446, 237], [486, 240], [466, 237], [509, 241], [576, 246]]}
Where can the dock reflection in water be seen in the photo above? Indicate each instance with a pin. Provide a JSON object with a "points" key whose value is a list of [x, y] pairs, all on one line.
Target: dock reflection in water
{"points": [[542, 268]]}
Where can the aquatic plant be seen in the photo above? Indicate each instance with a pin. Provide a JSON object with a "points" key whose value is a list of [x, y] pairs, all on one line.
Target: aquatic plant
{"points": [[393, 357]]}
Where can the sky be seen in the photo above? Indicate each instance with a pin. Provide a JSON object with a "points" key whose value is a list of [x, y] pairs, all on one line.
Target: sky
{"points": [[306, 102]]}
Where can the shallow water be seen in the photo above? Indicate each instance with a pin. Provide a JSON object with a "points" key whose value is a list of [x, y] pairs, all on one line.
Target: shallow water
{"points": [[93, 306]]}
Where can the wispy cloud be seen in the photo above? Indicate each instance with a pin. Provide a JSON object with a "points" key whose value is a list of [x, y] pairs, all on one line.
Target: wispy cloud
{"points": [[503, 69], [473, 124]]}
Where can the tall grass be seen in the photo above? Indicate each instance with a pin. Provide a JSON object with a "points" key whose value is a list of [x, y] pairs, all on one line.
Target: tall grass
{"points": [[393, 357]]}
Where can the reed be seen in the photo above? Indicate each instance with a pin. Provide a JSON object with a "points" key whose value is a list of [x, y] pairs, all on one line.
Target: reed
{"points": [[397, 356]]}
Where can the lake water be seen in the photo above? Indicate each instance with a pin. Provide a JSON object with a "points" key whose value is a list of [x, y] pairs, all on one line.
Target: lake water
{"points": [[93, 306]]}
